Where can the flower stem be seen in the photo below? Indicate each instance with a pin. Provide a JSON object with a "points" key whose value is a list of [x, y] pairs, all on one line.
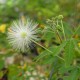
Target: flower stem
{"points": [[57, 32], [63, 30], [58, 36], [47, 50]]}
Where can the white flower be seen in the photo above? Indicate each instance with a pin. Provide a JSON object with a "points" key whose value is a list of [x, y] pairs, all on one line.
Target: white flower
{"points": [[22, 34]]}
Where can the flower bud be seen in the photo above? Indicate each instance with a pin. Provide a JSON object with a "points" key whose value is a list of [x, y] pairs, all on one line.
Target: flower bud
{"points": [[60, 17]]}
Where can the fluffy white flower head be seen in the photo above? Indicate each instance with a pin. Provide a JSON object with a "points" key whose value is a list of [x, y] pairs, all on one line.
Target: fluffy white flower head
{"points": [[22, 33]]}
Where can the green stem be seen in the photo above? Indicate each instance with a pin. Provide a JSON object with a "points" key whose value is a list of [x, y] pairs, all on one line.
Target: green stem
{"points": [[63, 30], [47, 49], [59, 36], [57, 32]]}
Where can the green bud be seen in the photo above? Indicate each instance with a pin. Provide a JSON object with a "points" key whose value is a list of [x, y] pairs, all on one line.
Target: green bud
{"points": [[60, 17], [58, 27]]}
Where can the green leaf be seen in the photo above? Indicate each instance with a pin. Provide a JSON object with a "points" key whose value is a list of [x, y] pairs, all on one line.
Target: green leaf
{"points": [[45, 53], [55, 51], [59, 48], [48, 60], [69, 52], [73, 75], [64, 69]]}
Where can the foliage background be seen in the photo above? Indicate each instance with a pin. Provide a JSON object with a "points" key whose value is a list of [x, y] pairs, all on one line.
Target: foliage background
{"points": [[40, 11]]}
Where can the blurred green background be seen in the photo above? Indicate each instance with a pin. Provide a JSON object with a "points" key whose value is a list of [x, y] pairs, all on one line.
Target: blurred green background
{"points": [[40, 11]]}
